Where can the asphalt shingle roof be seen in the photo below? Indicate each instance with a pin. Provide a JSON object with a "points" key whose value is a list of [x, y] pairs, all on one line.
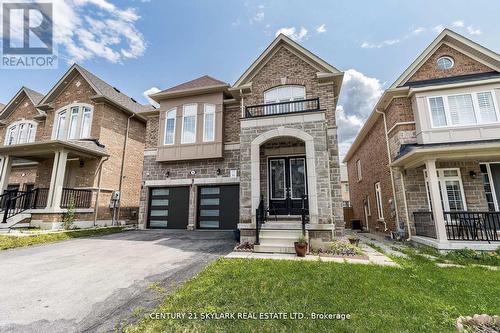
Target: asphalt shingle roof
{"points": [[203, 81]]}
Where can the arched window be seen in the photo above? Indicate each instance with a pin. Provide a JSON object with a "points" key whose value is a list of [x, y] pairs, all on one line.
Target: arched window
{"points": [[170, 127], [288, 93], [73, 122], [20, 132]]}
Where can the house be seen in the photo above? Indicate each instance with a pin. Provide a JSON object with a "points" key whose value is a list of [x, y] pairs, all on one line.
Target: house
{"points": [[259, 156], [434, 137], [71, 148]]}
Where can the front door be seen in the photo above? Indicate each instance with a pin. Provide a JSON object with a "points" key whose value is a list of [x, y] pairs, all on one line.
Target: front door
{"points": [[287, 179]]}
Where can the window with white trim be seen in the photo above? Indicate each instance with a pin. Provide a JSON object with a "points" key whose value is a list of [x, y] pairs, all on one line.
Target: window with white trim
{"points": [[451, 189], [287, 93], [169, 138], [358, 170], [189, 123], [209, 123], [20, 132], [464, 109], [73, 122], [378, 197], [445, 63]]}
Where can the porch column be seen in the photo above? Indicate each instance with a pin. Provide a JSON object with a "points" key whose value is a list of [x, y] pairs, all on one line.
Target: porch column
{"points": [[6, 166], [57, 180], [437, 208]]}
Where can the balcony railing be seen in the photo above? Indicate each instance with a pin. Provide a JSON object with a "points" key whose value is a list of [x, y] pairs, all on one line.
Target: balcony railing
{"points": [[273, 109], [461, 226], [79, 198]]}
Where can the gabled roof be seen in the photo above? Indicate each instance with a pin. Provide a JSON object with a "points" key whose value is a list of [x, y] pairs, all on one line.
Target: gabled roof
{"points": [[203, 84], [319, 64], [456, 41], [34, 96], [1, 107], [102, 89]]}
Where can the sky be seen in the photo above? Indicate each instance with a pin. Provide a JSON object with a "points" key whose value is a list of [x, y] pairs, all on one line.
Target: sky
{"points": [[142, 46]]}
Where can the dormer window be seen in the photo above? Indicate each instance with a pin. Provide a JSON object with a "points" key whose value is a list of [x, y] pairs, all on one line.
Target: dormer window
{"points": [[73, 122], [20, 132], [445, 63]]}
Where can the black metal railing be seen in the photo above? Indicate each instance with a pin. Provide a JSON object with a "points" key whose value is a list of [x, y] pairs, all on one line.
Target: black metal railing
{"points": [[19, 203], [424, 224], [472, 226], [41, 200], [272, 109], [79, 198], [304, 210], [5, 196]]}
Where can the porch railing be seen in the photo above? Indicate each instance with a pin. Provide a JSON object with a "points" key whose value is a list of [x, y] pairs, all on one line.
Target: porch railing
{"points": [[41, 199], [424, 224], [80, 198], [260, 216], [304, 214], [272, 109], [472, 226], [19, 203]]}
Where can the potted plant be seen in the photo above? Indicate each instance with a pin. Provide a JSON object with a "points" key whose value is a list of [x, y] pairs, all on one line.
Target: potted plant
{"points": [[353, 239], [301, 246]]}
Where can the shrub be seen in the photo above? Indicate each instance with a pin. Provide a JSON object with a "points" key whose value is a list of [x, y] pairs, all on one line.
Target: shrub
{"points": [[69, 217]]}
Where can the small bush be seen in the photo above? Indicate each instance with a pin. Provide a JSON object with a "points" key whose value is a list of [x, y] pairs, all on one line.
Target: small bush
{"points": [[69, 217], [469, 256]]}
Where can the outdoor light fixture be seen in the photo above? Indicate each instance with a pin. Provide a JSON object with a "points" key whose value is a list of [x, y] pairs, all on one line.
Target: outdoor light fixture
{"points": [[218, 172], [473, 174], [167, 174], [82, 163]]}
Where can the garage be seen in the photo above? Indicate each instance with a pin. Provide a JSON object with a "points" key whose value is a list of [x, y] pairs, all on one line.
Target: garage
{"points": [[161, 214], [218, 207]]}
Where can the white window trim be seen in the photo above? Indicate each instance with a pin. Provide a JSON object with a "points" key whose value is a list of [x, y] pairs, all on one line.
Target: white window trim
{"points": [[441, 180], [268, 101], [90, 120], [445, 57], [378, 198], [475, 105], [496, 201], [18, 124], [79, 123], [195, 123], [359, 173], [174, 111], [204, 119]]}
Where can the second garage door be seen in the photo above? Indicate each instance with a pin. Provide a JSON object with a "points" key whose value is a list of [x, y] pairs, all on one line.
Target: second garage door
{"points": [[218, 207], [168, 207]]}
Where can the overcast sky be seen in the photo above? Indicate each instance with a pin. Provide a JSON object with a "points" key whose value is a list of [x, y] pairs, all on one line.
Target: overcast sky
{"points": [[145, 45]]}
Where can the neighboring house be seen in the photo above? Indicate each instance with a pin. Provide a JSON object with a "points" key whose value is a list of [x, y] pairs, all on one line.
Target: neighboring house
{"points": [[344, 183], [74, 146], [434, 137], [225, 157]]}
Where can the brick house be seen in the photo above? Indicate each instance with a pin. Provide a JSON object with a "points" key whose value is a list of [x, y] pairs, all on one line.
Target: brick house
{"points": [[70, 147], [248, 156], [434, 136]]}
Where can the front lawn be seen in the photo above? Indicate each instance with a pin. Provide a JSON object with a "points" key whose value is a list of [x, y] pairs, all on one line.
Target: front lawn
{"points": [[11, 241], [418, 297]]}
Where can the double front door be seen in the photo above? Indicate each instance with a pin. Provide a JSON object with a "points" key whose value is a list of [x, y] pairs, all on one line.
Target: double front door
{"points": [[287, 183]]}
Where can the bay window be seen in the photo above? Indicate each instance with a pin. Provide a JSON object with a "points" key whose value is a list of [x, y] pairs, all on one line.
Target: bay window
{"points": [[20, 132], [72, 123], [189, 123], [463, 109], [209, 123], [169, 138]]}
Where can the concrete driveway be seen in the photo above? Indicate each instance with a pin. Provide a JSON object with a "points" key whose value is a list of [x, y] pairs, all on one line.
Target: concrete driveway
{"points": [[96, 284]]}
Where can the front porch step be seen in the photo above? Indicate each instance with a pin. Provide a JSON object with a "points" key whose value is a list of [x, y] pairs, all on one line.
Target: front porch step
{"points": [[280, 218], [285, 225], [274, 249], [18, 218]]}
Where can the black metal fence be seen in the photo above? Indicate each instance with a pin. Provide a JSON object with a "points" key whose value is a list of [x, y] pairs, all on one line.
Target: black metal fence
{"points": [[80, 198], [472, 226], [19, 203], [273, 109]]}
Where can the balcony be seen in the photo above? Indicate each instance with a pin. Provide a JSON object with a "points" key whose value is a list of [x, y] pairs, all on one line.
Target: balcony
{"points": [[274, 109]]}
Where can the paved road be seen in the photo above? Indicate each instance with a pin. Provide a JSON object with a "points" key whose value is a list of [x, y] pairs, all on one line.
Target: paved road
{"points": [[95, 284]]}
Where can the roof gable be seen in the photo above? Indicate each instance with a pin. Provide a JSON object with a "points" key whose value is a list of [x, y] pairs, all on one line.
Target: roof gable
{"points": [[34, 97], [283, 41], [476, 58]]}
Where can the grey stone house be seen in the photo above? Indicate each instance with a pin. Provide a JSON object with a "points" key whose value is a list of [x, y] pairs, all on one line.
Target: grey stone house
{"points": [[257, 155]]}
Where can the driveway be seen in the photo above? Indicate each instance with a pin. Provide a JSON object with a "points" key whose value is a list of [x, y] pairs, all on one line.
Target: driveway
{"points": [[96, 284]]}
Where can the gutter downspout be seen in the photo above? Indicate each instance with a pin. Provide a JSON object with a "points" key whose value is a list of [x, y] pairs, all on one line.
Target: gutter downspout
{"points": [[390, 168], [122, 167], [99, 170]]}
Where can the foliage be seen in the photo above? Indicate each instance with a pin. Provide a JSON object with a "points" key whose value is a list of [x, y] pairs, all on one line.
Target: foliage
{"points": [[302, 240], [244, 246], [69, 217]]}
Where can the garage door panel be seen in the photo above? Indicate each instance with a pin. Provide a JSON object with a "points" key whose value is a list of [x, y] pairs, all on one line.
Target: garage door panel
{"points": [[168, 207], [218, 207]]}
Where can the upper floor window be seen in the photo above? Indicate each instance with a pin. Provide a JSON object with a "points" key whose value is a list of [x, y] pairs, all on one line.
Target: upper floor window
{"points": [[209, 123], [20, 132], [189, 123], [358, 170], [73, 122], [284, 94], [445, 63], [170, 127], [464, 109]]}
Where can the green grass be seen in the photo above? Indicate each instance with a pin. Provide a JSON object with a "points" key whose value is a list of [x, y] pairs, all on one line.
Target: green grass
{"points": [[9, 241], [419, 297], [461, 257]]}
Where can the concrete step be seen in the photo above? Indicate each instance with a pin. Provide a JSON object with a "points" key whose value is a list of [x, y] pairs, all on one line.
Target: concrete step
{"points": [[282, 225], [296, 218], [14, 220], [274, 249]]}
